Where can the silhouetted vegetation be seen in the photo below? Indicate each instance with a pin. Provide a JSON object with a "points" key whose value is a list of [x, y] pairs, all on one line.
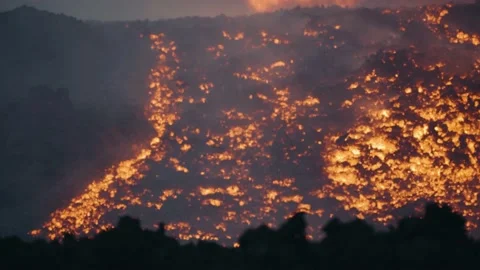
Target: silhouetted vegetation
{"points": [[436, 240]]}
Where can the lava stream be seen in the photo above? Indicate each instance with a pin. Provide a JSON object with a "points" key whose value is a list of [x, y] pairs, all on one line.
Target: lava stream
{"points": [[84, 213]]}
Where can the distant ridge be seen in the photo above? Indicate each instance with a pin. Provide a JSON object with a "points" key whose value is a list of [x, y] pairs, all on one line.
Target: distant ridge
{"points": [[26, 10]]}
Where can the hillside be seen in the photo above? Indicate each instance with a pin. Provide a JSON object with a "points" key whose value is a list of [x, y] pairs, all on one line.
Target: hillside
{"points": [[50, 148], [236, 121], [42, 48]]}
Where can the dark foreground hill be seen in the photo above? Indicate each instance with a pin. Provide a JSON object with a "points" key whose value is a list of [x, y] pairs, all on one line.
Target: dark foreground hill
{"points": [[98, 67], [50, 149], [437, 240], [53, 142]]}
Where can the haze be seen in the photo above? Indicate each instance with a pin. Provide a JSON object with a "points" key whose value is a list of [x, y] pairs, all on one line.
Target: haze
{"points": [[108, 10]]}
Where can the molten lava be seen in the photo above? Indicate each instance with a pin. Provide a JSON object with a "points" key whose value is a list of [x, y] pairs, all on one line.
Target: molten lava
{"points": [[253, 141], [84, 213], [414, 138]]}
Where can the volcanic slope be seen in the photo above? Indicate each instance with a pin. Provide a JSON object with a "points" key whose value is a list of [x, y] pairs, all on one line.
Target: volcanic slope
{"points": [[327, 111]]}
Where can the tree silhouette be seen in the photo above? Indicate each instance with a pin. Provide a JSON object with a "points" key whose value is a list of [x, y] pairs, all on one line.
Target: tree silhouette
{"points": [[436, 240]]}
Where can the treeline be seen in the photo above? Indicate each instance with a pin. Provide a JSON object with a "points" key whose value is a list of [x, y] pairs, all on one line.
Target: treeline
{"points": [[436, 240]]}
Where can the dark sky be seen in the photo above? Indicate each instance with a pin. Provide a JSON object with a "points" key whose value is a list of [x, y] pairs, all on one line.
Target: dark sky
{"points": [[133, 9], [156, 9]]}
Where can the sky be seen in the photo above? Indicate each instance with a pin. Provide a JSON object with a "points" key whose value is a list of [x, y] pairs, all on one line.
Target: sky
{"points": [[108, 10], [133, 9]]}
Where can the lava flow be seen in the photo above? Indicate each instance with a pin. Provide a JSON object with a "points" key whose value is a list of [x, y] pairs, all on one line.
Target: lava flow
{"points": [[85, 212], [416, 138], [255, 123]]}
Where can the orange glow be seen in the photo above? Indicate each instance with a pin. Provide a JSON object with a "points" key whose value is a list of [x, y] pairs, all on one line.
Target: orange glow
{"points": [[433, 156], [272, 5], [84, 213], [434, 17]]}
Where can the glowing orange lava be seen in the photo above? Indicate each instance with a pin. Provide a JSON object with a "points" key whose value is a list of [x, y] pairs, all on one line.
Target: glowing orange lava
{"points": [[411, 141], [84, 213], [251, 142]]}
